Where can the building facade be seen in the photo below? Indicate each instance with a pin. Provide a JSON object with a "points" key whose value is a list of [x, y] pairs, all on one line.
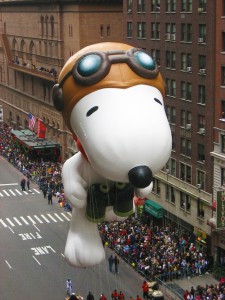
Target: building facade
{"points": [[37, 38], [184, 37]]}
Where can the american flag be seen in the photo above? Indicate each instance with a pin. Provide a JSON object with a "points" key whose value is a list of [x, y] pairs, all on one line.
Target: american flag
{"points": [[31, 122]]}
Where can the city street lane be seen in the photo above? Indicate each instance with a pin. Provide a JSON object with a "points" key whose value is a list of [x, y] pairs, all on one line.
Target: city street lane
{"points": [[32, 241]]}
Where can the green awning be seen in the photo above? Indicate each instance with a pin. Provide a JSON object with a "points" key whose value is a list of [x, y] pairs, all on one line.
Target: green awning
{"points": [[154, 209]]}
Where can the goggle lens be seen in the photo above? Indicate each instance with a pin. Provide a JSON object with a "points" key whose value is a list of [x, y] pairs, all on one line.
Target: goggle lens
{"points": [[144, 60], [89, 65]]}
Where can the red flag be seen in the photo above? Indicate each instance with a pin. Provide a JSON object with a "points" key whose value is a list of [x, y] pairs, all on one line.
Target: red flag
{"points": [[41, 130]]}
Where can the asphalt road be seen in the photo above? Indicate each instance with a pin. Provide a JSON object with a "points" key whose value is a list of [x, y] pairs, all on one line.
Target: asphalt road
{"points": [[32, 241]]}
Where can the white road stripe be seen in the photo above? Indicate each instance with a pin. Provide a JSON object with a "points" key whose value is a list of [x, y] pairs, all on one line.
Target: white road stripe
{"points": [[31, 219], [50, 216], [36, 227], [36, 260], [12, 193], [1, 195], [69, 213], [18, 222], [39, 220], [37, 191], [8, 264], [3, 223], [3, 184], [24, 220], [25, 192], [46, 220], [65, 216], [11, 230], [5, 192], [57, 216], [10, 222], [18, 192]]}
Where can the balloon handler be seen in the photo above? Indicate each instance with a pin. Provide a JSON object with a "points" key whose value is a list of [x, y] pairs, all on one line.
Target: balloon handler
{"points": [[111, 98]]}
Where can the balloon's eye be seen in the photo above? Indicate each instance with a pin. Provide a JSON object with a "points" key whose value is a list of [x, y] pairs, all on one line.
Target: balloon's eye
{"points": [[89, 65], [158, 101], [120, 185], [144, 60], [91, 111], [104, 188]]}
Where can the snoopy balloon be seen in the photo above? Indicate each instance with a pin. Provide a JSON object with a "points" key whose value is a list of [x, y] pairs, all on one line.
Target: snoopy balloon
{"points": [[111, 98]]}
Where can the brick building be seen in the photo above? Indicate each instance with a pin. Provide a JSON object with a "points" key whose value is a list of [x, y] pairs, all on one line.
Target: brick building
{"points": [[37, 38], [187, 38]]}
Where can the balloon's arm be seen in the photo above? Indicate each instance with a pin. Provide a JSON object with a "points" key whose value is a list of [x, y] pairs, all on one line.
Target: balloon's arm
{"points": [[75, 186]]}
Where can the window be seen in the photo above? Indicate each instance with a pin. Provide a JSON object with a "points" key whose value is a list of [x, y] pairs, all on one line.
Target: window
{"points": [[202, 33], [201, 153], [140, 5], [202, 62], [171, 114], [223, 177], [222, 110], [155, 53], [170, 194], [141, 30], [185, 172], [108, 30], [200, 209], [156, 186], [201, 122], [155, 6], [173, 142], [186, 61], [185, 147], [101, 31], [170, 5], [171, 87], [171, 59], [186, 91], [171, 166], [70, 30], [186, 32], [129, 5], [52, 21], [223, 42], [201, 179], [129, 29], [155, 30], [42, 25], [223, 76], [185, 202], [202, 6], [186, 5], [201, 94], [223, 143]]}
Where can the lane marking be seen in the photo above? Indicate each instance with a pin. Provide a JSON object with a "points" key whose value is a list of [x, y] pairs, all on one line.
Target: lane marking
{"points": [[11, 230], [12, 193], [65, 216], [39, 220], [36, 260], [3, 184], [26, 193], [69, 213], [10, 222], [29, 217], [3, 223], [62, 255], [24, 220], [46, 220], [37, 191], [5, 192], [18, 222], [50, 216], [1, 195], [57, 216], [36, 227], [8, 264], [18, 192]]}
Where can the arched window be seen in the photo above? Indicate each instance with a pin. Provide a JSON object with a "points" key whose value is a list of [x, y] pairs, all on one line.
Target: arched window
{"points": [[52, 26], [42, 25], [15, 51], [23, 51], [46, 25]]}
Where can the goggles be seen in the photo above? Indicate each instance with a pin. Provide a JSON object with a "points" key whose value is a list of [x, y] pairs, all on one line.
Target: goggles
{"points": [[92, 67]]}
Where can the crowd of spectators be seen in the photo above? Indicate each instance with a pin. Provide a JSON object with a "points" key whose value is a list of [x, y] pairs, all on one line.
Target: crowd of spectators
{"points": [[155, 251]]}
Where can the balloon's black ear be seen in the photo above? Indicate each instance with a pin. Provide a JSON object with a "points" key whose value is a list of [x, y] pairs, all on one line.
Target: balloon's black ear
{"points": [[57, 96]]}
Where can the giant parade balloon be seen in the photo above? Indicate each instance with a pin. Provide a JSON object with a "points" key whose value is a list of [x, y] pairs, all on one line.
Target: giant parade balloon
{"points": [[111, 96]]}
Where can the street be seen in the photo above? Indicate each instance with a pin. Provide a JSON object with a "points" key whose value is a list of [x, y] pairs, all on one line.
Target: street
{"points": [[32, 241]]}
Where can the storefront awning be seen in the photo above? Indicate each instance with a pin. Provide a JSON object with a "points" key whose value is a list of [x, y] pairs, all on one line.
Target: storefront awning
{"points": [[154, 209]]}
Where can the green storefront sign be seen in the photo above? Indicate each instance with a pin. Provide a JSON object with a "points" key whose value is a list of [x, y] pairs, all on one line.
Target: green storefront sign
{"points": [[220, 210], [154, 209]]}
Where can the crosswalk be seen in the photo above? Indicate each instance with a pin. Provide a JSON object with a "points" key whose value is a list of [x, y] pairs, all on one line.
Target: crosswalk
{"points": [[17, 192], [36, 219]]}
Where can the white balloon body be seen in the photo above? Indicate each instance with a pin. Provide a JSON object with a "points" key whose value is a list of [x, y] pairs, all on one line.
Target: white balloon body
{"points": [[119, 129]]}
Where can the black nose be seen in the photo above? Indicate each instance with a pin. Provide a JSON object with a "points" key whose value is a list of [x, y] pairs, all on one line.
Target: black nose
{"points": [[140, 176]]}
